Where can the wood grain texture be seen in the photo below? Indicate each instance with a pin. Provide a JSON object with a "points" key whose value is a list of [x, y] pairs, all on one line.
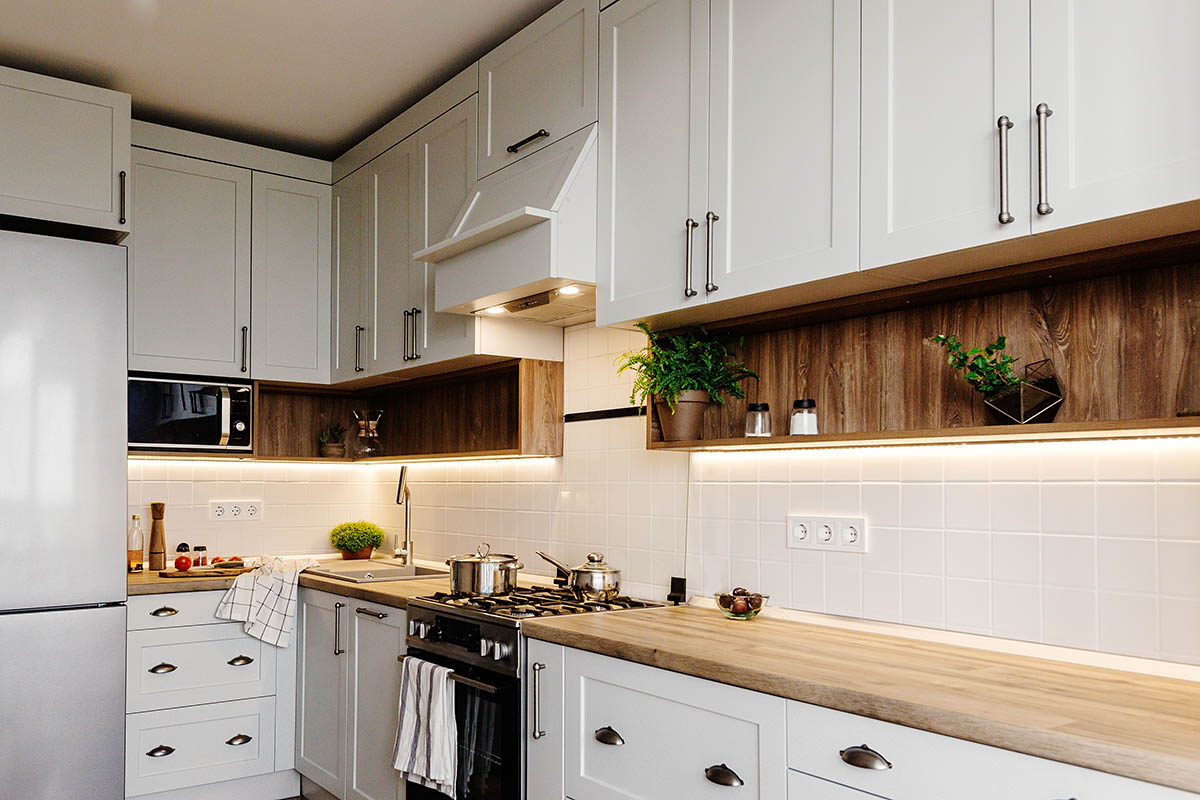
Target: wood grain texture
{"points": [[1116, 340], [540, 415], [152, 583], [1125, 723]]}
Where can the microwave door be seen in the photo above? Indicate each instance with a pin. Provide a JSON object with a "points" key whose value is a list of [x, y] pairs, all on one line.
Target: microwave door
{"points": [[178, 415]]}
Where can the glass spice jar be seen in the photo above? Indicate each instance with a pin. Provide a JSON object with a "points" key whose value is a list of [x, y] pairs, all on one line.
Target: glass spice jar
{"points": [[803, 421], [758, 419]]}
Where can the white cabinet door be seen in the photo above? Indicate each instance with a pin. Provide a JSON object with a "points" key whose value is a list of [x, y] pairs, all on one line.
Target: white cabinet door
{"points": [[349, 303], [542, 79], [447, 157], [806, 787], [936, 77], [783, 177], [394, 288], [290, 278], [653, 158], [1122, 80], [66, 151], [189, 266], [544, 734], [373, 699], [321, 689]]}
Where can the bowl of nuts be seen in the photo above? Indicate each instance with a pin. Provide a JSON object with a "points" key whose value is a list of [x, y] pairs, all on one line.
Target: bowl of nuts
{"points": [[740, 603]]}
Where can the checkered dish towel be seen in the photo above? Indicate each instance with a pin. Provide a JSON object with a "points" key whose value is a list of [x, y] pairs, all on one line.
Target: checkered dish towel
{"points": [[265, 599]]}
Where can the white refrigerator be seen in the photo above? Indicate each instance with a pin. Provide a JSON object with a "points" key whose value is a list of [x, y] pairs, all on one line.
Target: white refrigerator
{"points": [[62, 509]]}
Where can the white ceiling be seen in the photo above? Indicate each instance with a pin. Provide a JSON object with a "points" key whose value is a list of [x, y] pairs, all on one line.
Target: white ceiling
{"points": [[307, 76]]}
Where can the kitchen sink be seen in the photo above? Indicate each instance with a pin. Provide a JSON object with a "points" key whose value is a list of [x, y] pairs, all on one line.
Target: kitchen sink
{"points": [[372, 571]]}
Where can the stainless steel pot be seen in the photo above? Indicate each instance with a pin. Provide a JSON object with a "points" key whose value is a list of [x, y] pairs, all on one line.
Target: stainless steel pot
{"points": [[483, 572], [594, 580]]}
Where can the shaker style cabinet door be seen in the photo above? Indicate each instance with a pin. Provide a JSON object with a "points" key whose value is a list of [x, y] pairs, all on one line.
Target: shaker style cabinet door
{"points": [[937, 75], [189, 266], [545, 737], [1121, 81], [543, 79], [350, 253], [393, 287], [322, 639], [373, 699], [783, 175], [66, 151], [653, 158], [290, 279]]}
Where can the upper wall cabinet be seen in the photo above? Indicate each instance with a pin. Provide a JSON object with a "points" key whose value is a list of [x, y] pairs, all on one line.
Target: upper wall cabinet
{"points": [[189, 266], [66, 152], [538, 86], [350, 249], [1120, 83], [935, 161], [714, 186], [290, 279]]}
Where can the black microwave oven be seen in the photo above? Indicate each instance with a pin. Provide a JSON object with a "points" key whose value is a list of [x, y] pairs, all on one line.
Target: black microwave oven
{"points": [[172, 413]]}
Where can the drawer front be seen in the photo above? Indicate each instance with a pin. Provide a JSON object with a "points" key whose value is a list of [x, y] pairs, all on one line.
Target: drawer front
{"points": [[189, 666], [198, 745], [806, 787], [174, 610], [929, 766], [639, 732]]}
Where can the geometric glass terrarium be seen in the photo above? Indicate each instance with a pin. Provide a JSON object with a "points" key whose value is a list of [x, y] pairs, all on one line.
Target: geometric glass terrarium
{"points": [[1035, 399]]}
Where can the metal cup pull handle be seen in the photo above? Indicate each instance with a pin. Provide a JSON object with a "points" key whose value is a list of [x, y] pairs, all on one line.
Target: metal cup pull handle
{"points": [[239, 740], [864, 757], [160, 751], [240, 661], [164, 611], [722, 775], [607, 735], [162, 669]]}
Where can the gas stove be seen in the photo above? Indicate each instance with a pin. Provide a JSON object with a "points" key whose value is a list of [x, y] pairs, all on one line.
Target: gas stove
{"points": [[531, 602]]}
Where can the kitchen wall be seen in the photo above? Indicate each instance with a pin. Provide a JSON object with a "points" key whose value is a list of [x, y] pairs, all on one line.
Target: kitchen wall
{"points": [[1092, 544]]}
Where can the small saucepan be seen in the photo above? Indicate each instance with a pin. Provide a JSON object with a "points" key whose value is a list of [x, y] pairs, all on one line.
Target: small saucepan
{"points": [[594, 580], [483, 572]]}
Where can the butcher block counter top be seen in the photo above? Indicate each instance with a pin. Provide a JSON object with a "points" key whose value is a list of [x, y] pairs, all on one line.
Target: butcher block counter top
{"points": [[387, 593], [150, 582], [1139, 726]]}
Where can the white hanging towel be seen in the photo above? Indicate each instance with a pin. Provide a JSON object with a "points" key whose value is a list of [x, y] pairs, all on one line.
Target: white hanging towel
{"points": [[426, 737], [265, 599]]}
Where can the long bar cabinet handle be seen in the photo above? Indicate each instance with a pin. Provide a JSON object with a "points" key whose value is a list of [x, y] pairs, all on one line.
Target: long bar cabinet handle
{"points": [[538, 733], [358, 329], [121, 194], [709, 219], [245, 341], [337, 628], [404, 345], [368, 612], [1003, 125], [688, 226], [1043, 113], [416, 339], [530, 139]]}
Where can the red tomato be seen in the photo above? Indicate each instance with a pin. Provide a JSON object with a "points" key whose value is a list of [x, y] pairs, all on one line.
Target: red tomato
{"points": [[183, 563], [216, 560]]}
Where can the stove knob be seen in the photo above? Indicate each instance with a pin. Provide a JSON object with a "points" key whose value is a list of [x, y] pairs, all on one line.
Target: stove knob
{"points": [[501, 651], [422, 630], [485, 647], [412, 627]]}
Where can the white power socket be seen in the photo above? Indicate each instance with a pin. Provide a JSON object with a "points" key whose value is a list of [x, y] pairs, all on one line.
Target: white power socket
{"points": [[235, 510], [840, 534]]}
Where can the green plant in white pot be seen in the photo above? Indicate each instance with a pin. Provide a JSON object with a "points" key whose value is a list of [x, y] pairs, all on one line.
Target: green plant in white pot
{"points": [[682, 374]]}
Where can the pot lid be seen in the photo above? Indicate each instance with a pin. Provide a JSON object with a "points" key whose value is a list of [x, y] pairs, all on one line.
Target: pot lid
{"points": [[484, 555], [595, 564]]}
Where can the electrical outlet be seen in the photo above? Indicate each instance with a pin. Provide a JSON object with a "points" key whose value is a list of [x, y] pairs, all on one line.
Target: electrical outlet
{"points": [[235, 510], [839, 534]]}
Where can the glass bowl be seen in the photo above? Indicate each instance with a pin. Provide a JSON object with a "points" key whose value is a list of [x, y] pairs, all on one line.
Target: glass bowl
{"points": [[728, 602]]}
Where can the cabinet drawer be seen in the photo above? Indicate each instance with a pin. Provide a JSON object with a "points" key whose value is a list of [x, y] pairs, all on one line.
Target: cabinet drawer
{"points": [[806, 787], [199, 745], [639, 732], [173, 610], [929, 766], [189, 666]]}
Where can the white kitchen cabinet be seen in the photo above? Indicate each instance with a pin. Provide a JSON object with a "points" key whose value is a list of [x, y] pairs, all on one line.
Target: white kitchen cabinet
{"points": [[350, 254], [154, 611], [348, 693], [446, 152], [1122, 81], [783, 166], [640, 732], [395, 283], [543, 79], [653, 157], [66, 152], [290, 279], [189, 266], [806, 787], [936, 78], [545, 736], [321, 689]]}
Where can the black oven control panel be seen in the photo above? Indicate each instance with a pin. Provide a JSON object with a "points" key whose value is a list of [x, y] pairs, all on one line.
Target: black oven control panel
{"points": [[464, 637]]}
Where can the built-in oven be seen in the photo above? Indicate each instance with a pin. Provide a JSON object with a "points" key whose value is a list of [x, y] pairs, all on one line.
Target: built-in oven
{"points": [[177, 413]]}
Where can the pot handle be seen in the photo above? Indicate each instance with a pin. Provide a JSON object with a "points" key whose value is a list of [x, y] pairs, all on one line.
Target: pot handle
{"points": [[563, 570], [516, 565]]}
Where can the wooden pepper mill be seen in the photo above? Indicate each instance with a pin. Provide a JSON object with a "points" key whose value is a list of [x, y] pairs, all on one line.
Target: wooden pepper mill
{"points": [[158, 538]]}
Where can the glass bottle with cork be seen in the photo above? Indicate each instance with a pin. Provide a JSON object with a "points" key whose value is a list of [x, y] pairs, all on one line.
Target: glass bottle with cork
{"points": [[135, 544]]}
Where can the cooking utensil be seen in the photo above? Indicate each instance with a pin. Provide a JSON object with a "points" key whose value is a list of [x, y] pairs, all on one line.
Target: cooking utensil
{"points": [[594, 580], [483, 572]]}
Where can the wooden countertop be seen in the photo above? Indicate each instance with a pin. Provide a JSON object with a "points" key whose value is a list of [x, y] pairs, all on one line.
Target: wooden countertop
{"points": [[387, 593], [1126, 723], [150, 582]]}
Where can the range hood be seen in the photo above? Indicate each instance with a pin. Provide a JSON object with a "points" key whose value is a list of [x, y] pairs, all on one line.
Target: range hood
{"points": [[524, 243]]}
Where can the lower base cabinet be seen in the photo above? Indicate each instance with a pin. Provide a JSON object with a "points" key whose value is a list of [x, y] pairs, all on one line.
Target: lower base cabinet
{"points": [[348, 694]]}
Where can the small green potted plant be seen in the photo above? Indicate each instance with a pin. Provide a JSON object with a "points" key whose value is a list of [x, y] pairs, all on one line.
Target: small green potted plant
{"points": [[356, 539], [332, 445], [1009, 399], [682, 375]]}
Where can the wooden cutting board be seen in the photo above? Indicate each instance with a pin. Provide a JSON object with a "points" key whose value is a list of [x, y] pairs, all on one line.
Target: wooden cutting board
{"points": [[207, 573]]}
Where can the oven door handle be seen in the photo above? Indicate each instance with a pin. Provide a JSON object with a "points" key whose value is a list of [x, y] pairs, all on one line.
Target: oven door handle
{"points": [[465, 681]]}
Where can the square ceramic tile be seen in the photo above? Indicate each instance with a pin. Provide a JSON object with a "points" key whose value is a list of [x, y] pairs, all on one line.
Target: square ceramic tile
{"points": [[843, 591], [1068, 508], [882, 596], [1069, 561], [1017, 611], [922, 552], [921, 505], [1069, 617], [773, 502], [922, 464], [922, 600], [808, 580], [1127, 565], [881, 504], [883, 549], [1016, 557], [1179, 511], [1178, 460], [1129, 624], [843, 499], [968, 506], [1125, 509], [1179, 569], [968, 554], [1179, 629], [1015, 506], [969, 605]]}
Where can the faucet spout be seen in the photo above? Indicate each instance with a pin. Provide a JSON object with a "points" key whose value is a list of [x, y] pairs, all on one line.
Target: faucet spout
{"points": [[404, 497]]}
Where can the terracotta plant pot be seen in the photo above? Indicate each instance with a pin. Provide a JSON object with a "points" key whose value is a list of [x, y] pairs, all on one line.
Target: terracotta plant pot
{"points": [[685, 424], [333, 450], [364, 553]]}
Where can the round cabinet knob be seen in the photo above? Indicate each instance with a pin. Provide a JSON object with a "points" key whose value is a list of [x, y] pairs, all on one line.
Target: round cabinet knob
{"points": [[485, 647]]}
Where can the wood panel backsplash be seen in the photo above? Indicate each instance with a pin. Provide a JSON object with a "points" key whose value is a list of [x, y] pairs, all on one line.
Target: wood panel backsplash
{"points": [[1117, 343]]}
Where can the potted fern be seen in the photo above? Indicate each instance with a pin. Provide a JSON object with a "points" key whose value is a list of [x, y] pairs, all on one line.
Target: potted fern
{"points": [[682, 375], [356, 539], [1009, 399]]}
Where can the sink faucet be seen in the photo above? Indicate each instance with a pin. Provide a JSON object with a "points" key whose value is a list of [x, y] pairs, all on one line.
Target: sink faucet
{"points": [[403, 497]]}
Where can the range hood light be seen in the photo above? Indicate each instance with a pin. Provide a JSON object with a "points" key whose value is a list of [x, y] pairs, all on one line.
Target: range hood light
{"points": [[569, 290], [496, 310]]}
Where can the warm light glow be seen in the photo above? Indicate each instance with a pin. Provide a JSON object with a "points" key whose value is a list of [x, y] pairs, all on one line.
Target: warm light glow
{"points": [[496, 310], [572, 289]]}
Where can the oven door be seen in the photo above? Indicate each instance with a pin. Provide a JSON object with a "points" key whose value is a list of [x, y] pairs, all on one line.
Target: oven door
{"points": [[487, 709]]}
